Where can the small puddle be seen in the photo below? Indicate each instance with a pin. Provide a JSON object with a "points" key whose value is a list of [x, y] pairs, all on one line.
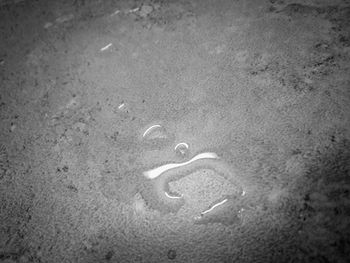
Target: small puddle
{"points": [[158, 196], [153, 184]]}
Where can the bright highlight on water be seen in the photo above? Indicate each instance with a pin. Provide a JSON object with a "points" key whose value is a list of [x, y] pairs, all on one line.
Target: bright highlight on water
{"points": [[154, 173]]}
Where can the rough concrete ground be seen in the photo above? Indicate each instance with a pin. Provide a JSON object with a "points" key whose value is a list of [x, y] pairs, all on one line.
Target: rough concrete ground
{"points": [[265, 84]]}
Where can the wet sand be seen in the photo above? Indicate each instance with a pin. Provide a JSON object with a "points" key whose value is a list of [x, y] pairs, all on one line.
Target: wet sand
{"points": [[95, 96]]}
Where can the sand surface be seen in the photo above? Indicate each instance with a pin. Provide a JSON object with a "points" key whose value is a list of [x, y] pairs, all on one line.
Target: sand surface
{"points": [[263, 84]]}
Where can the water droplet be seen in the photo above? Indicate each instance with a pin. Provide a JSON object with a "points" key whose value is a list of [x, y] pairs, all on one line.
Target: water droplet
{"points": [[182, 150]]}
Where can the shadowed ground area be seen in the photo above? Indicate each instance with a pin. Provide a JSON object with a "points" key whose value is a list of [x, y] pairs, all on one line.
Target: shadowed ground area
{"points": [[97, 95]]}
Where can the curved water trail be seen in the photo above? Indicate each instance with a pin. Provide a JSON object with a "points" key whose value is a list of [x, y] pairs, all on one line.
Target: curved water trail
{"points": [[156, 190], [148, 130], [154, 173]]}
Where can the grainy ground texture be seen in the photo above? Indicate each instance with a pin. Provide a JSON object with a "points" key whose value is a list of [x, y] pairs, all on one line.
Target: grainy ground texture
{"points": [[93, 94]]}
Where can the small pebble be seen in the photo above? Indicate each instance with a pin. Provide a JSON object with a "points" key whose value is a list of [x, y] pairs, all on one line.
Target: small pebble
{"points": [[64, 18], [171, 254], [79, 126], [145, 10], [156, 6], [109, 255], [115, 12], [47, 25], [318, 197], [87, 244], [13, 127], [23, 259]]}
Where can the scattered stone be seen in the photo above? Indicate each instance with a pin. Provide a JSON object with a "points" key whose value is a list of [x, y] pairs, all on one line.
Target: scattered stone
{"points": [[115, 12], [295, 165], [132, 10], [109, 255], [65, 168], [23, 259], [72, 188], [87, 244], [13, 127], [145, 10], [8, 261], [64, 18], [3, 160], [219, 49], [156, 6], [79, 126], [318, 197], [171, 254], [47, 25], [308, 81]]}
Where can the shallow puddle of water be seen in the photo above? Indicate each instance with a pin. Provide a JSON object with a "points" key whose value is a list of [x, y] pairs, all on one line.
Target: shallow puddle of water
{"points": [[165, 159]]}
